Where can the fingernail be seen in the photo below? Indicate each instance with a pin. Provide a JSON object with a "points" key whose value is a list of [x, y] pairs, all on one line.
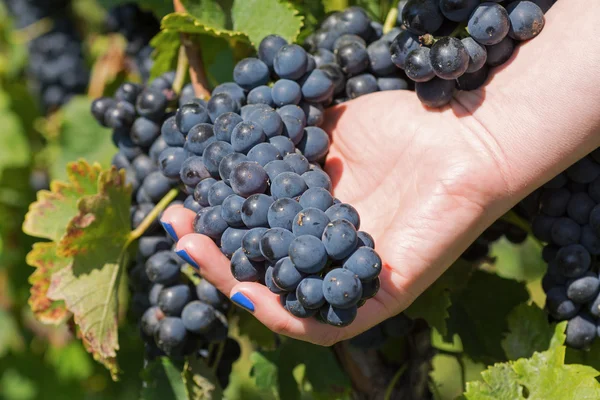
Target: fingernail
{"points": [[183, 254], [241, 300], [169, 229]]}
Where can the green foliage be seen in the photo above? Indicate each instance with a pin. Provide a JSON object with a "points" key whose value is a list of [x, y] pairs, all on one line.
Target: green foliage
{"points": [[543, 376], [14, 147], [163, 381], [253, 17], [159, 7], [529, 332], [519, 262]]}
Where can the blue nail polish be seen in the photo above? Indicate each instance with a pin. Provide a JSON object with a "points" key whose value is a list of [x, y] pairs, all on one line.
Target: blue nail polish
{"points": [[169, 228], [241, 300], [183, 254]]}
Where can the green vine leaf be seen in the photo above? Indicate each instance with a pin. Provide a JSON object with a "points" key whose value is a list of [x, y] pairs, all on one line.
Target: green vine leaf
{"points": [[96, 241], [207, 12], [259, 18], [44, 258], [186, 23], [49, 215], [166, 46], [200, 381], [529, 332], [163, 381], [543, 376]]}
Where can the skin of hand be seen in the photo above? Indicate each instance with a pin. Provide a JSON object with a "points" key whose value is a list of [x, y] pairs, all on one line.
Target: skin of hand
{"points": [[426, 183]]}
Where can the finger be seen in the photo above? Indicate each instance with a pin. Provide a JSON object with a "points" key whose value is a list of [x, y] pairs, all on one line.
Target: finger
{"points": [[178, 221], [203, 254], [267, 308]]}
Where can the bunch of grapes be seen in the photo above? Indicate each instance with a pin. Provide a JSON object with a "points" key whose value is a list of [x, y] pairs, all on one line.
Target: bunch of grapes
{"points": [[56, 60], [179, 314], [138, 27], [451, 44], [567, 218]]}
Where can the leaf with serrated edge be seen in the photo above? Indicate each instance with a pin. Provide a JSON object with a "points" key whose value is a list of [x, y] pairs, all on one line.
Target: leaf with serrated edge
{"points": [[529, 332], [44, 258], [49, 215], [95, 239], [259, 18], [543, 376], [200, 381], [186, 23], [207, 12], [163, 381]]}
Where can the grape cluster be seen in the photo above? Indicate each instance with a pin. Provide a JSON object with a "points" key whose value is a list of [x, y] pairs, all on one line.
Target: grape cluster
{"points": [[354, 53], [56, 61], [567, 218], [451, 44], [138, 27], [178, 314]]}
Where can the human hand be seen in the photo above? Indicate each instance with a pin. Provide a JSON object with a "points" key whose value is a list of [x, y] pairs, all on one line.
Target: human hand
{"points": [[427, 182]]}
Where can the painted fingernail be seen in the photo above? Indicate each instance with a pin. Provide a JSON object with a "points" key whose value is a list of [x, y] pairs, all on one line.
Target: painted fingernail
{"points": [[241, 300], [169, 229], [186, 257]]}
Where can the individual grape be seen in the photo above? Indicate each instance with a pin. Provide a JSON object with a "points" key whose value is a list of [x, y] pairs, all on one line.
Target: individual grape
{"points": [[325, 39], [187, 94], [293, 305], [276, 167], [231, 210], [286, 92], [201, 191], [218, 193], [269, 47], [316, 198], [500, 53], [310, 221], [353, 58], [336, 75], [209, 294], [436, 92], [269, 120], [344, 211], [314, 113], [144, 131], [151, 320], [269, 283], [553, 202], [248, 178], [224, 125], [228, 163], [323, 56], [573, 261], [583, 289], [189, 115], [232, 240], [198, 317], [264, 153], [233, 90], [392, 83], [422, 16], [211, 223], [192, 204], [250, 73], [275, 243], [282, 212], [337, 316], [245, 270], [526, 20], [565, 231], [308, 254], [473, 81], [458, 10], [246, 135], [121, 116], [143, 166], [154, 293], [199, 137], [380, 61], [365, 263], [99, 108], [251, 244], [314, 144], [360, 85], [171, 335], [293, 111], [370, 288], [354, 20], [285, 275], [157, 147], [297, 162], [255, 210], [171, 134], [340, 239], [342, 288], [261, 95], [290, 62], [584, 171], [148, 245], [559, 305], [310, 292], [219, 104], [317, 179], [402, 45], [193, 171], [287, 184], [171, 300], [171, 160], [449, 58], [418, 66], [590, 240], [489, 23], [214, 154], [594, 306], [579, 207], [293, 129], [316, 86], [151, 104], [477, 54], [581, 331], [283, 144]]}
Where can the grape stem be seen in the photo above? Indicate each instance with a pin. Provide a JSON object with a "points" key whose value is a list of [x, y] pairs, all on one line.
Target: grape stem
{"points": [[390, 20], [397, 375], [194, 57], [181, 72], [150, 218]]}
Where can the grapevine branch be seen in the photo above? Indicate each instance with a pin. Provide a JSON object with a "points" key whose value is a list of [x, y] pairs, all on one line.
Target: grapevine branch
{"points": [[194, 56]]}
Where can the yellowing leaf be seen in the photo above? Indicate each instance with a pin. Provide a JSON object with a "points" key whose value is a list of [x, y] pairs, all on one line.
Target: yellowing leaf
{"points": [[49, 215], [44, 258]]}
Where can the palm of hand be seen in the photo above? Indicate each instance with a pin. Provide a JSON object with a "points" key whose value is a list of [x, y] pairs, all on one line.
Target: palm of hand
{"points": [[414, 175]]}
